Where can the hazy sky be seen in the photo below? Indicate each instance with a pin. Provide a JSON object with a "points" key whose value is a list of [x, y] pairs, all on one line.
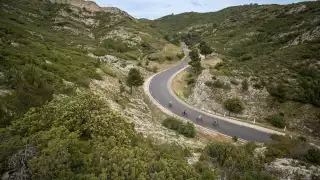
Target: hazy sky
{"points": [[152, 9]]}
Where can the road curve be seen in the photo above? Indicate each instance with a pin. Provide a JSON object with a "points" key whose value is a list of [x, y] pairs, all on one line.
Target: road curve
{"points": [[160, 91]]}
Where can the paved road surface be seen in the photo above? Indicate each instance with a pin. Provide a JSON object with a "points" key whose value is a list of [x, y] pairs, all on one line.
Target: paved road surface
{"points": [[160, 92]]}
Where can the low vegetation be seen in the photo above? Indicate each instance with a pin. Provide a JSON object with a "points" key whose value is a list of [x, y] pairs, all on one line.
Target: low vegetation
{"points": [[185, 128], [218, 84], [80, 137], [296, 148], [277, 120], [234, 105]]}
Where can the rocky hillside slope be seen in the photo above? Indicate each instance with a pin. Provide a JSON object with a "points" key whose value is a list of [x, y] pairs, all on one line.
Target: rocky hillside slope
{"points": [[275, 47], [45, 45]]}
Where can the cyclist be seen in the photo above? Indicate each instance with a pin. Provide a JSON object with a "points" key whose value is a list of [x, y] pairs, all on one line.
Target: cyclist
{"points": [[199, 118], [215, 123], [170, 104], [184, 112]]}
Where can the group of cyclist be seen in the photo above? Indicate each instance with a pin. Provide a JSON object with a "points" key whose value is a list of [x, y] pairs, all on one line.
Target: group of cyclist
{"points": [[199, 118]]}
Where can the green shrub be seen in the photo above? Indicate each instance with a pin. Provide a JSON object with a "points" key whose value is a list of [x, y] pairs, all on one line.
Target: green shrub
{"points": [[100, 52], [234, 105], [108, 71], [245, 57], [180, 55], [218, 84], [117, 46], [153, 58], [154, 69], [186, 129], [169, 58], [234, 82], [245, 85], [219, 65], [277, 120], [236, 161], [313, 156], [191, 81], [208, 83], [257, 86], [83, 81], [235, 138]]}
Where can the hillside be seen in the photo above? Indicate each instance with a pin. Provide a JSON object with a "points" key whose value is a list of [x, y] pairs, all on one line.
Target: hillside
{"points": [[52, 41], [72, 105], [275, 47]]}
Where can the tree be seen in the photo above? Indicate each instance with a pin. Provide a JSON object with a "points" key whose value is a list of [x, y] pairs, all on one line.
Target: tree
{"points": [[195, 61], [234, 105], [134, 78], [205, 49], [245, 85]]}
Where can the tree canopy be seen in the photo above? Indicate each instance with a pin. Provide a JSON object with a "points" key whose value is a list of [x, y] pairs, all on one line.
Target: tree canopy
{"points": [[134, 78], [205, 49], [195, 62]]}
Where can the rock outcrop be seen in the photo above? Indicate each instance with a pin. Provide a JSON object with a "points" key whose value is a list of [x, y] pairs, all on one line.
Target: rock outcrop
{"points": [[93, 7], [88, 5]]}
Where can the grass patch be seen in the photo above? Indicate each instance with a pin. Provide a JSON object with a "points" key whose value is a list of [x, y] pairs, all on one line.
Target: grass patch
{"points": [[108, 71]]}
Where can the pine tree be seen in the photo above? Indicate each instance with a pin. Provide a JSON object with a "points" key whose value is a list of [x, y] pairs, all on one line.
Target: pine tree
{"points": [[134, 78], [195, 61], [205, 49]]}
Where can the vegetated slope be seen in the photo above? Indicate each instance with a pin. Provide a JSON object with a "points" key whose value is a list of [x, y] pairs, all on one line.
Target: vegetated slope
{"points": [[278, 43], [277, 46], [44, 46], [76, 135]]}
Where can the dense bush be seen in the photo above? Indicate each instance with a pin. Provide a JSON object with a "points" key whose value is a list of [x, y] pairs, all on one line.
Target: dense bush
{"points": [[277, 120], [205, 49], [79, 137], [180, 55], [116, 45], [245, 85], [218, 84], [187, 129], [107, 70], [292, 147], [234, 105], [235, 162], [313, 155]]}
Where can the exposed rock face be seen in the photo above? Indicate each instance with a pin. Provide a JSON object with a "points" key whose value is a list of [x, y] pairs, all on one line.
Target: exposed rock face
{"points": [[114, 10], [211, 99], [93, 7], [88, 5], [307, 36]]}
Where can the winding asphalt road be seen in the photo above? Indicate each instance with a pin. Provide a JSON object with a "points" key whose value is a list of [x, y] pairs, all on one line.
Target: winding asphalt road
{"points": [[160, 91]]}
